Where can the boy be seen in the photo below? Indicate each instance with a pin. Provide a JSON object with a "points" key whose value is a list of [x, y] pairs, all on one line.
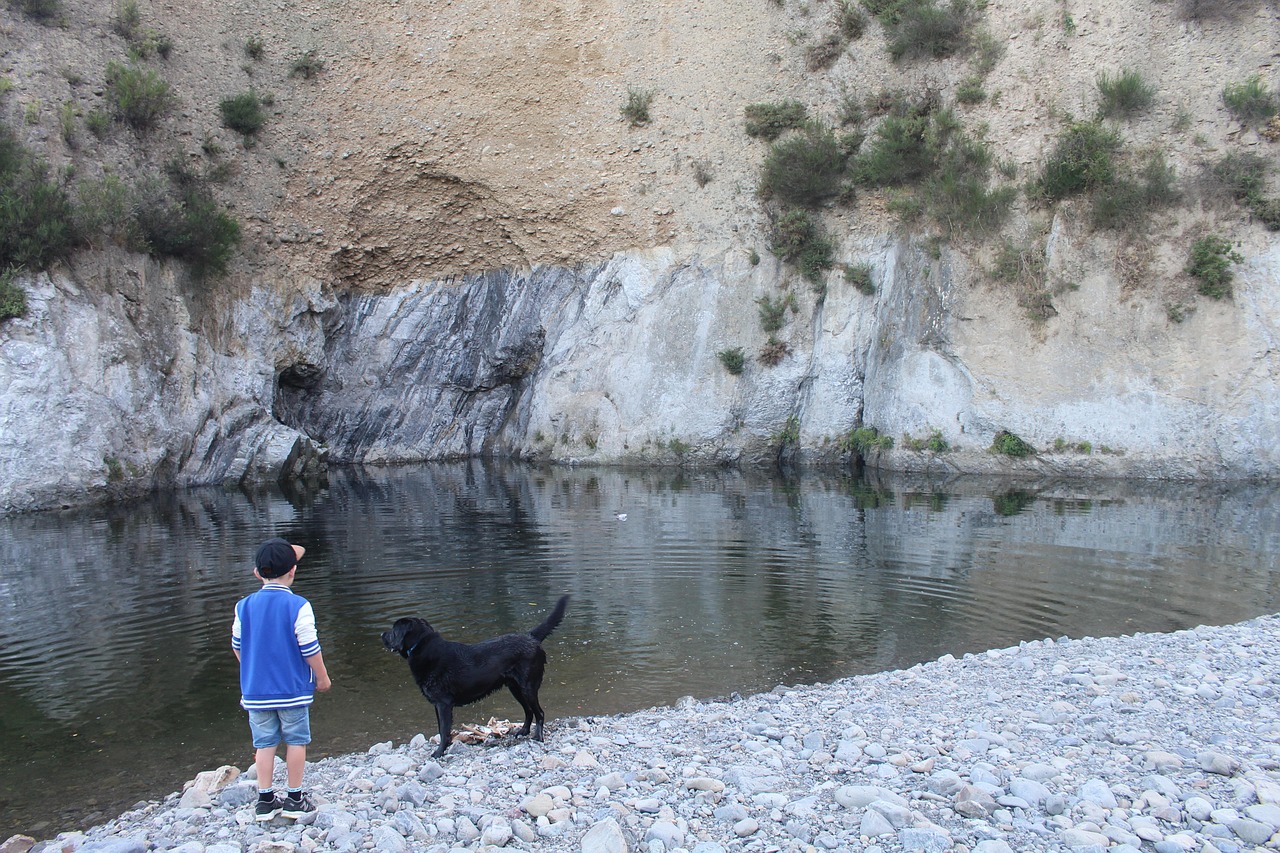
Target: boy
{"points": [[274, 638]]}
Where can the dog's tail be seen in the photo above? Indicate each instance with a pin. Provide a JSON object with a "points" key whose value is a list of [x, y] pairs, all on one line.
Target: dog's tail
{"points": [[549, 624]]}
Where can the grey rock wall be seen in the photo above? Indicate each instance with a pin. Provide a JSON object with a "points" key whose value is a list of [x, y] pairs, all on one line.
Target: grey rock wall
{"points": [[112, 384]]}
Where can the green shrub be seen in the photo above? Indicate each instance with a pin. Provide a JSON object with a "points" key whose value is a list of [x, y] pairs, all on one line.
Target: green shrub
{"points": [[255, 48], [182, 220], [824, 53], [1007, 444], [958, 194], [733, 359], [970, 91], [925, 30], [40, 10], [1082, 159], [35, 214], [1127, 202], [773, 312], [797, 238], [862, 440], [128, 19], [1251, 101], [898, 152], [307, 65], [104, 212], [850, 20], [138, 95], [1210, 265], [243, 113], [636, 108], [13, 299], [769, 121], [1243, 176], [933, 442], [806, 169], [859, 275], [99, 123], [1124, 95]]}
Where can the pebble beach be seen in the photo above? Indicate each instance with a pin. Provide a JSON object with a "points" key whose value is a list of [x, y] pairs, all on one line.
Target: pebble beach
{"points": [[1151, 742]]}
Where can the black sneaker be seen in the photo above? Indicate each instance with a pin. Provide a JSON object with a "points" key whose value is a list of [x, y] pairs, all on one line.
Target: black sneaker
{"points": [[268, 809], [297, 806]]}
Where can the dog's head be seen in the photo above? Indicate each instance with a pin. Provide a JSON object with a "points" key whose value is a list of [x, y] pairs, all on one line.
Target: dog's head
{"points": [[405, 635]]}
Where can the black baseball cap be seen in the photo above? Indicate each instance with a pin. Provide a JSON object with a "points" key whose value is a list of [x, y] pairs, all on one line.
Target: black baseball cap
{"points": [[276, 557]]}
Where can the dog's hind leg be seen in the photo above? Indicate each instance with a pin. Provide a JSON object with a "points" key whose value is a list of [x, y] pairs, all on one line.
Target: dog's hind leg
{"points": [[529, 705], [444, 719]]}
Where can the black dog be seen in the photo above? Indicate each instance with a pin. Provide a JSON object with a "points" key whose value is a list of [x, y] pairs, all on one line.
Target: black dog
{"points": [[450, 673]]}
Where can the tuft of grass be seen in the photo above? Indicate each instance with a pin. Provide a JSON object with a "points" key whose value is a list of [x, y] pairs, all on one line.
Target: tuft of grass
{"points": [[970, 91], [798, 238], [733, 359], [1251, 101], [307, 66], [255, 48], [1006, 443], [104, 212], [702, 173], [860, 276], [1124, 95], [1082, 159], [13, 299], [243, 113], [804, 170], [99, 123], [768, 121], [139, 96], [933, 442], [1210, 263], [67, 115], [636, 108]]}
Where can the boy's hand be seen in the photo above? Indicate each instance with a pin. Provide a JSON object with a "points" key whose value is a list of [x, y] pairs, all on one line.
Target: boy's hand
{"points": [[323, 683]]}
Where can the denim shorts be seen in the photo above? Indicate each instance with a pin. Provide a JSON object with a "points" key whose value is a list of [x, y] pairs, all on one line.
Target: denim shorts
{"points": [[291, 725]]}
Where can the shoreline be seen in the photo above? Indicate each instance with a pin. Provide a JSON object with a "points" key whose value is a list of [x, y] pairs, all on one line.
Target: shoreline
{"points": [[1165, 742]]}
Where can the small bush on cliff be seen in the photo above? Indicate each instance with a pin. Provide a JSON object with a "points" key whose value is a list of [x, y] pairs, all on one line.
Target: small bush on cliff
{"points": [[863, 440], [806, 169], [13, 299], [1128, 202], [138, 95], [35, 214], [798, 238], [1243, 177], [636, 107], [926, 30], [734, 360], [1210, 265], [771, 120], [44, 11], [1007, 444], [860, 276], [243, 113], [1082, 159], [306, 66]]}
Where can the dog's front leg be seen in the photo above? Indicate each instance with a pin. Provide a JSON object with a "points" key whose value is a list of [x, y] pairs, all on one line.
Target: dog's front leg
{"points": [[444, 719]]}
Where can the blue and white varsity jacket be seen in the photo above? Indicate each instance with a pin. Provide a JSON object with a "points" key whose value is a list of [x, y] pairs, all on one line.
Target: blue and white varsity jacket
{"points": [[274, 631]]}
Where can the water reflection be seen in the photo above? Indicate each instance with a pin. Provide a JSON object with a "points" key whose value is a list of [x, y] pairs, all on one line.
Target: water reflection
{"points": [[114, 622]]}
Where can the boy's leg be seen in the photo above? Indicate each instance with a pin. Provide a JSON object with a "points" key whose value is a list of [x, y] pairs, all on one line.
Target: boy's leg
{"points": [[295, 759], [265, 762]]}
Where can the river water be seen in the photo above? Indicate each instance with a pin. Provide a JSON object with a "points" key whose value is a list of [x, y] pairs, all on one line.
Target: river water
{"points": [[117, 682]]}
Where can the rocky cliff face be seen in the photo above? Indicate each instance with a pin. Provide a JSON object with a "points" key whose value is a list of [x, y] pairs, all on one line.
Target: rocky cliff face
{"points": [[454, 247]]}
